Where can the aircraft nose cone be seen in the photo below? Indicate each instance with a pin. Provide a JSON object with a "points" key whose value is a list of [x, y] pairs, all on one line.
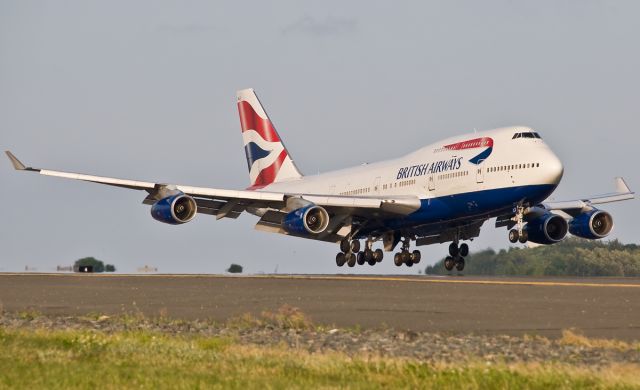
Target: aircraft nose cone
{"points": [[553, 169]]}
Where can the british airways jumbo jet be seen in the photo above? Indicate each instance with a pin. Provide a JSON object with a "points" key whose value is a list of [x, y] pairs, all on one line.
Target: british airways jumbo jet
{"points": [[440, 193]]}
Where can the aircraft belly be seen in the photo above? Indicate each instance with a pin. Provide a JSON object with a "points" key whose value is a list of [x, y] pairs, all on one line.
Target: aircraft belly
{"points": [[470, 205]]}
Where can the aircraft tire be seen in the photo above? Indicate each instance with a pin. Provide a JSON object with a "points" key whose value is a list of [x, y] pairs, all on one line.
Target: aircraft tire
{"points": [[460, 264], [397, 259], [345, 246], [361, 258], [449, 263], [464, 250], [368, 255], [378, 255], [351, 260], [453, 249], [372, 261], [355, 246], [513, 236], [523, 238], [416, 256], [340, 259]]}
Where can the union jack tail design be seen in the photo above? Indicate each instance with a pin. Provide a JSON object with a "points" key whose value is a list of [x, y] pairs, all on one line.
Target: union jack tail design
{"points": [[267, 158]]}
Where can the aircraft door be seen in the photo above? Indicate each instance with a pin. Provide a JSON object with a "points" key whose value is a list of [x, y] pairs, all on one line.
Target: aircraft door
{"points": [[376, 186], [432, 183], [480, 174]]}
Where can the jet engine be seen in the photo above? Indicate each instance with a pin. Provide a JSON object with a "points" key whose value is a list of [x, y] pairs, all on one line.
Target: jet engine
{"points": [[175, 209], [547, 229], [593, 224], [309, 219]]}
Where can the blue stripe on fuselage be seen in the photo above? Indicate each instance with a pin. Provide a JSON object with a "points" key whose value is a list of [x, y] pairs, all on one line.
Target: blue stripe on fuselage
{"points": [[471, 205]]}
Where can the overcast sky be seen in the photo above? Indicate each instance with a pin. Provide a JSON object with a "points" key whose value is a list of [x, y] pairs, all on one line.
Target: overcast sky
{"points": [[146, 90]]}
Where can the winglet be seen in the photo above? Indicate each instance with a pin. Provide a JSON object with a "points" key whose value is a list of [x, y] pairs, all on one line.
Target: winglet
{"points": [[17, 165], [622, 187]]}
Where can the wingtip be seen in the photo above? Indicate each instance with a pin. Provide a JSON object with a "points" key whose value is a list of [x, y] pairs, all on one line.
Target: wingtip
{"points": [[621, 186], [17, 164]]}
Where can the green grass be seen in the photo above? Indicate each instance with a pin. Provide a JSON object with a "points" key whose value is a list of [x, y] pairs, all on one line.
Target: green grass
{"points": [[140, 359]]}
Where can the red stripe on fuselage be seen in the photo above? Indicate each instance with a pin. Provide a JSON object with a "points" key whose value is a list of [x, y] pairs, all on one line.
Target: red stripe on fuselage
{"points": [[250, 120], [484, 142], [268, 174]]}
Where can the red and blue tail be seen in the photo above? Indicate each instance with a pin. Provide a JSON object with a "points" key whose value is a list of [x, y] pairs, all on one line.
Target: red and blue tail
{"points": [[267, 158]]}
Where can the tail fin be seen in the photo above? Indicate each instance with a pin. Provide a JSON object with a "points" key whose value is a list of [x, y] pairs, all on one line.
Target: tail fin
{"points": [[267, 158]]}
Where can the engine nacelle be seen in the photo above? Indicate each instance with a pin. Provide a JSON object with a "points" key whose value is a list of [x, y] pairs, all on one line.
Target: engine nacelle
{"points": [[547, 229], [309, 219], [174, 209], [593, 224]]}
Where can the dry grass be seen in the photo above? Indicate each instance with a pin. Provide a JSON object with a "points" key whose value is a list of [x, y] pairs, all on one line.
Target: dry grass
{"points": [[573, 337], [286, 317]]}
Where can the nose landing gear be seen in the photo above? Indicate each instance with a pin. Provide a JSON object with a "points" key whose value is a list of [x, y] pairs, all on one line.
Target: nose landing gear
{"points": [[518, 234]]}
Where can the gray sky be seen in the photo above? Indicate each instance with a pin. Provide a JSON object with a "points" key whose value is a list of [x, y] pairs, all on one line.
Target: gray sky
{"points": [[146, 90]]}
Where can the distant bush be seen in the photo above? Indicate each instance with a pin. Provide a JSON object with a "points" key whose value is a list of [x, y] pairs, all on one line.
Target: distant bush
{"points": [[572, 257], [235, 269], [97, 265]]}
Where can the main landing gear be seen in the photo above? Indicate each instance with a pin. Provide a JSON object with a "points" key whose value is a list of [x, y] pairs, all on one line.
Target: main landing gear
{"points": [[456, 256], [350, 254], [406, 257]]}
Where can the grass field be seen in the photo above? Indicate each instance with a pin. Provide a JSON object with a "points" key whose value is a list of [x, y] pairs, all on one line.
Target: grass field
{"points": [[51, 359]]}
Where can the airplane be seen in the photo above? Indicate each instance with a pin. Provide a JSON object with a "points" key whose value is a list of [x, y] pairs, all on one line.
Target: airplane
{"points": [[440, 193]]}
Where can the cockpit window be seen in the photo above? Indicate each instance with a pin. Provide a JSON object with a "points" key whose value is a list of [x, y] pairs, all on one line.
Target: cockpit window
{"points": [[526, 135]]}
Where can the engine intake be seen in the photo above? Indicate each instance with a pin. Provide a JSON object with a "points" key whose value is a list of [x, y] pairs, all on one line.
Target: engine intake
{"points": [[310, 219], [593, 224], [174, 209], [547, 229]]}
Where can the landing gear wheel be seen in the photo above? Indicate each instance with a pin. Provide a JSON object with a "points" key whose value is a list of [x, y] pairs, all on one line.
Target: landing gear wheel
{"points": [[340, 259], [460, 264], [397, 259], [361, 258], [449, 263], [464, 250], [378, 255], [453, 249], [351, 259], [372, 261], [368, 255], [524, 237], [355, 246], [409, 263], [405, 256], [415, 257], [513, 236], [345, 246]]}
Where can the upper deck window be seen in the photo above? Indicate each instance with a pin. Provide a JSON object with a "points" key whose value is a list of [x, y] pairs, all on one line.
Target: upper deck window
{"points": [[526, 135]]}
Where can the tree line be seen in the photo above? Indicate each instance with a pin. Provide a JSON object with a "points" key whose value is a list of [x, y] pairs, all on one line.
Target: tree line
{"points": [[572, 257]]}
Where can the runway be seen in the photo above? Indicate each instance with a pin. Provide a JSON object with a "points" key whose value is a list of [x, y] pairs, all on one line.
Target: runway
{"points": [[599, 307]]}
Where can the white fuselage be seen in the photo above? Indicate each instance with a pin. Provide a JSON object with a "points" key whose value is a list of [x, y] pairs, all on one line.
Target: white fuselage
{"points": [[518, 162]]}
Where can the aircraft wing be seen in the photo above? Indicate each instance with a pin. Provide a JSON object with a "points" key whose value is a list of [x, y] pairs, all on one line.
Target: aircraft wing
{"points": [[231, 203], [622, 192]]}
